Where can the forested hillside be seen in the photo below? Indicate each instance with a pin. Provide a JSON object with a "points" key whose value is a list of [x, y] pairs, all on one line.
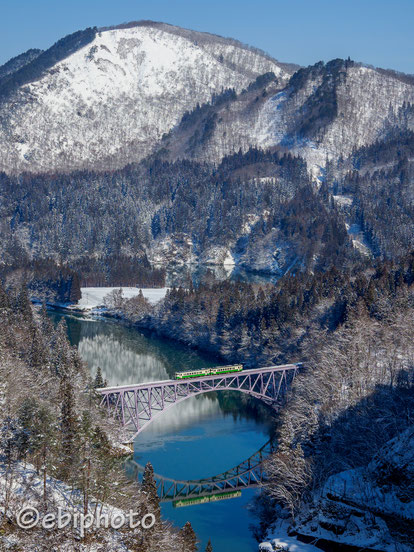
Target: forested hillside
{"points": [[333, 468], [258, 210], [57, 446], [377, 182], [274, 324]]}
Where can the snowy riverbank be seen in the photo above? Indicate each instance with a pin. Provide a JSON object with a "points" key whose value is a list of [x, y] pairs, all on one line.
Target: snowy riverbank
{"points": [[93, 297], [286, 544]]}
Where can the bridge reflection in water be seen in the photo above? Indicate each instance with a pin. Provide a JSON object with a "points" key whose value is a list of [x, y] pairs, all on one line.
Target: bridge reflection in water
{"points": [[229, 484]]}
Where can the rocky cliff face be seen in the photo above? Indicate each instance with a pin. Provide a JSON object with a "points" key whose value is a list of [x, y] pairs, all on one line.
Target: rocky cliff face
{"points": [[110, 101]]}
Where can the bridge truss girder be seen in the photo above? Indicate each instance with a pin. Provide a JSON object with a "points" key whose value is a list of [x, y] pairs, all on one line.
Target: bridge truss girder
{"points": [[136, 406]]}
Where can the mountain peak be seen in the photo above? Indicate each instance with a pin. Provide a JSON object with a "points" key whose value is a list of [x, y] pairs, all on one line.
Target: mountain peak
{"points": [[104, 98]]}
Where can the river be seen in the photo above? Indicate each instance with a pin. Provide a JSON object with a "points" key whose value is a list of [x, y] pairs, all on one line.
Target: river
{"points": [[197, 439], [181, 275]]}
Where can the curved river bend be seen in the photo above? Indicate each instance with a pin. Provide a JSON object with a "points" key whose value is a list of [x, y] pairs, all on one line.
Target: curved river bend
{"points": [[197, 439]]}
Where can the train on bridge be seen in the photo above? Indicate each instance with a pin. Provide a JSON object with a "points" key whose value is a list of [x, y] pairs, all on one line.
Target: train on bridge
{"points": [[137, 405], [216, 371]]}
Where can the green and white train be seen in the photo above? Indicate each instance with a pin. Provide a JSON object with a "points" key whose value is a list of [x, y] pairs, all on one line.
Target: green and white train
{"points": [[216, 371]]}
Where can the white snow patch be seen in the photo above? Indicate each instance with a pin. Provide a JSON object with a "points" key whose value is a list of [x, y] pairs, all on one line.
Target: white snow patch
{"points": [[218, 255], [288, 544], [93, 297], [250, 221], [358, 238], [342, 200], [229, 259]]}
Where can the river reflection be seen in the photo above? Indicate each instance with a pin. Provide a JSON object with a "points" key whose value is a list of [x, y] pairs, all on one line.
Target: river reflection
{"points": [[197, 439], [222, 486], [181, 275]]}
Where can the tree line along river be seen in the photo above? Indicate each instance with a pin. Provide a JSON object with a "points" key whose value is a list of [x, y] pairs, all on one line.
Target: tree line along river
{"points": [[196, 439]]}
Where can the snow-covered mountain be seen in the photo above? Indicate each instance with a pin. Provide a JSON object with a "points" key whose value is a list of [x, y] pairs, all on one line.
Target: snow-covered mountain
{"points": [[100, 99], [109, 101], [326, 111]]}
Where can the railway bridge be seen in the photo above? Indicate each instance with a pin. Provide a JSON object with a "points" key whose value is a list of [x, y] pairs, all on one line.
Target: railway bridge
{"points": [[136, 406], [247, 474]]}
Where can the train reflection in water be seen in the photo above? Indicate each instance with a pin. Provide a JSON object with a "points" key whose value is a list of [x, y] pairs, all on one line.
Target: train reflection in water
{"points": [[229, 484]]}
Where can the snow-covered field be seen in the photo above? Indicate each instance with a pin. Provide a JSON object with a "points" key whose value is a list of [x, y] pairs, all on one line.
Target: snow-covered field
{"points": [[93, 297]]}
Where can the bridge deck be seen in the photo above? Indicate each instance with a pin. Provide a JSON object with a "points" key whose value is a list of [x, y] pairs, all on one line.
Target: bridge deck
{"points": [[136, 405], [137, 386]]}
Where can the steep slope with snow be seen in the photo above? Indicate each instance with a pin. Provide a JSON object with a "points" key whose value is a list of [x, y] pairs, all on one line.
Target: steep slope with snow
{"points": [[326, 111], [337, 109], [111, 100], [370, 507]]}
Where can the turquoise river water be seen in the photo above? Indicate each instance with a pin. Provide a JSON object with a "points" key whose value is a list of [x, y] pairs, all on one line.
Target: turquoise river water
{"points": [[198, 438]]}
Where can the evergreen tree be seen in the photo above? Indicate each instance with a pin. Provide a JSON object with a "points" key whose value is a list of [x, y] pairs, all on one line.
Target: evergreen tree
{"points": [[68, 425], [149, 487], [75, 290], [23, 304], [209, 547], [13, 441], [62, 356], [39, 425], [4, 300], [26, 416], [37, 353], [45, 441], [189, 538], [99, 382], [87, 437], [46, 324]]}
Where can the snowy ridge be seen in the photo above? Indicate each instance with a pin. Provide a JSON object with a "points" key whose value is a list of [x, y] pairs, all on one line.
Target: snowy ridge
{"points": [[112, 100], [366, 99], [367, 102]]}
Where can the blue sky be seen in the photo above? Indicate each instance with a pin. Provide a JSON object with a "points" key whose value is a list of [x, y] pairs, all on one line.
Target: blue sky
{"points": [[379, 32]]}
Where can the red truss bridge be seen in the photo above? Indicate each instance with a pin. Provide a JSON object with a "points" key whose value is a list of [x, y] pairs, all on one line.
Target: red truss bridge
{"points": [[136, 406]]}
